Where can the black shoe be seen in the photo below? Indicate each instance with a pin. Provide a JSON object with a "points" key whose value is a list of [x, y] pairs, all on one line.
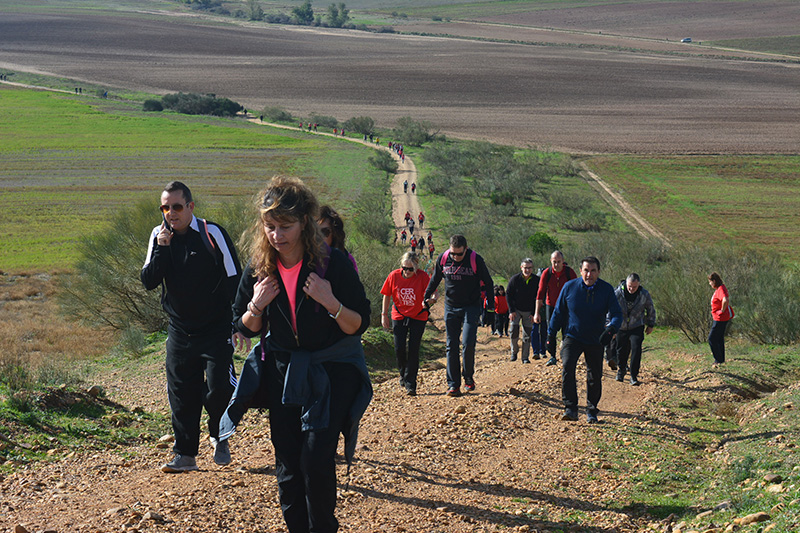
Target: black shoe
{"points": [[551, 362], [592, 419], [635, 382], [536, 356], [612, 364], [411, 392], [513, 358], [526, 361], [620, 377], [570, 415]]}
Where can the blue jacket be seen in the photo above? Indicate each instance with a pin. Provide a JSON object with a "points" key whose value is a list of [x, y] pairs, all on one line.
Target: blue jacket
{"points": [[584, 309]]}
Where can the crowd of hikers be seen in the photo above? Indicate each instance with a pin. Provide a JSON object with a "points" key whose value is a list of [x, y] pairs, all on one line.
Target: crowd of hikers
{"points": [[300, 293]]}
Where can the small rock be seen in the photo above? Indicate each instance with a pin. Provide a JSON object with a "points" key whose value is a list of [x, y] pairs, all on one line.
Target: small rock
{"points": [[162, 445], [20, 529], [152, 515], [94, 391], [606, 466], [442, 509], [723, 505], [769, 528], [775, 489], [166, 438], [705, 514], [773, 478], [115, 510], [514, 392], [237, 483], [461, 409], [751, 519]]}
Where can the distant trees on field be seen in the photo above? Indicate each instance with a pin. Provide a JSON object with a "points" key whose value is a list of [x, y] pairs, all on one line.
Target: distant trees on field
{"points": [[194, 104]]}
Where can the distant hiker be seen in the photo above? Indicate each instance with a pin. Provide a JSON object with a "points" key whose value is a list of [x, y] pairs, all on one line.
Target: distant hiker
{"points": [[721, 314], [638, 320], [316, 125], [195, 264], [413, 188], [413, 243], [421, 244], [465, 276], [421, 219], [582, 307], [335, 130], [500, 311], [431, 249], [521, 296], [551, 281], [405, 189], [261, 118], [403, 292], [403, 236]]}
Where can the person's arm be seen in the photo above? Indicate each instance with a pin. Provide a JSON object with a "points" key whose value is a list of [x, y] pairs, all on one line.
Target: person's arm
{"points": [[488, 284], [386, 321], [155, 263], [247, 319], [433, 284], [649, 314], [346, 302], [540, 296], [614, 312]]}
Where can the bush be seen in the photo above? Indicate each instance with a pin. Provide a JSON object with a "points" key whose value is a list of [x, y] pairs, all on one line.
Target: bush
{"points": [[363, 125], [325, 121], [383, 161], [372, 210], [413, 132], [375, 261], [197, 104], [386, 29], [152, 105], [542, 243], [277, 114], [280, 18]]}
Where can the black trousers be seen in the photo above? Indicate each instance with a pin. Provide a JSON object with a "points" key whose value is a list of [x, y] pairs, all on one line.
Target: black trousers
{"points": [[716, 340], [407, 340], [200, 374], [629, 343], [305, 460], [593, 354]]}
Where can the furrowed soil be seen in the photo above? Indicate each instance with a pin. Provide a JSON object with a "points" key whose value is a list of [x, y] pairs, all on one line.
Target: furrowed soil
{"points": [[581, 99]]}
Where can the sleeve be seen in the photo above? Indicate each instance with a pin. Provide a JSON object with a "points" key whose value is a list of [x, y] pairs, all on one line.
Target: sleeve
{"points": [[154, 268], [560, 313], [542, 294], [348, 289], [649, 311], [510, 293], [244, 294], [486, 277], [388, 285], [614, 311], [230, 259], [438, 274]]}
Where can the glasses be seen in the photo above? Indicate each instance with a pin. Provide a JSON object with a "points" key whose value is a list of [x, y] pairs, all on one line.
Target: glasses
{"points": [[458, 254], [177, 208], [326, 232], [408, 269]]}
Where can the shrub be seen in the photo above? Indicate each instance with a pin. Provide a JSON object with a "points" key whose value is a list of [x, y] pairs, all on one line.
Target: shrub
{"points": [[152, 105], [197, 104], [383, 161], [363, 125], [375, 261], [413, 132], [542, 243], [372, 210], [325, 121], [386, 29], [277, 114], [280, 18]]}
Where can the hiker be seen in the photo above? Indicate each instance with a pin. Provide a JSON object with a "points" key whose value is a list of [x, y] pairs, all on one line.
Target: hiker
{"points": [[413, 243], [583, 306], [403, 236], [431, 248], [195, 264], [638, 320], [308, 305], [332, 228], [403, 291], [465, 277], [500, 311], [721, 313], [551, 281], [521, 296], [413, 188], [421, 219]]}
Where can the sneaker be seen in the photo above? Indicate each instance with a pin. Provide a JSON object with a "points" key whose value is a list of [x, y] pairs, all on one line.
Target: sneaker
{"points": [[469, 386], [612, 364], [551, 362], [411, 392], [180, 463], [513, 358], [222, 452], [537, 356], [526, 361], [592, 419], [620, 377], [454, 392], [570, 415], [635, 382]]}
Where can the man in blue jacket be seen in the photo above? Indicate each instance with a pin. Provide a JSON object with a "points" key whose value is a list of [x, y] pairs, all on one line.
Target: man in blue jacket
{"points": [[584, 304]]}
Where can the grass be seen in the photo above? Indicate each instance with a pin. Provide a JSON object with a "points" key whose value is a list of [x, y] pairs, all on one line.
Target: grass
{"points": [[785, 44], [69, 160], [746, 201]]}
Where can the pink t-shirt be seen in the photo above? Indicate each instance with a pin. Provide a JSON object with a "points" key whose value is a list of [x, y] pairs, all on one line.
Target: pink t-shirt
{"points": [[289, 277]]}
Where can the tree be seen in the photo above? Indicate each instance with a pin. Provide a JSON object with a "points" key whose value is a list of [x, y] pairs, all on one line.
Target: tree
{"points": [[363, 125], [413, 132], [254, 10], [338, 16], [304, 14]]}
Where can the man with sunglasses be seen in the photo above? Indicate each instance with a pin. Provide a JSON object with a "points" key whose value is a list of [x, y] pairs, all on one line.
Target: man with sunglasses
{"points": [[465, 278], [195, 263]]}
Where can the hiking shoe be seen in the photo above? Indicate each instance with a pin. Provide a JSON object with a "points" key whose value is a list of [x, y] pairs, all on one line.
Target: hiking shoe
{"points": [[612, 364], [222, 452], [180, 463], [635, 382], [513, 358], [526, 361], [620, 377], [454, 392], [469, 386], [570, 415], [411, 392], [537, 356], [592, 419], [551, 362]]}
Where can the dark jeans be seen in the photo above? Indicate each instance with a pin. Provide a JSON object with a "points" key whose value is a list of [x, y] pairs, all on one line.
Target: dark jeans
{"points": [[716, 340], [593, 354], [457, 319], [408, 331], [305, 460], [501, 323], [543, 327], [629, 342], [199, 374]]}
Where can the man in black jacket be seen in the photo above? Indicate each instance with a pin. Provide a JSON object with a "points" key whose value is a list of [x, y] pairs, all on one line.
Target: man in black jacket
{"points": [[521, 297], [465, 278], [195, 263]]}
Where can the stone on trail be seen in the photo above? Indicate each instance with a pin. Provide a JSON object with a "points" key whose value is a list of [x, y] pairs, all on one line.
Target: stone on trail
{"points": [[20, 529], [751, 519], [166, 438], [94, 391], [773, 478]]}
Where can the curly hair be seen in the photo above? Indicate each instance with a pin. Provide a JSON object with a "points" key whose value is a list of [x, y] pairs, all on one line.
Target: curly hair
{"points": [[285, 199]]}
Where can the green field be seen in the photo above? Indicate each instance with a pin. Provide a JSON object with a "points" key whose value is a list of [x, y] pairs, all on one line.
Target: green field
{"points": [[69, 162], [787, 44], [749, 201]]}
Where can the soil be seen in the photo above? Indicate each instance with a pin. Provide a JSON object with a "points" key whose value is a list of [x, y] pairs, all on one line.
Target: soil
{"points": [[493, 459], [582, 99]]}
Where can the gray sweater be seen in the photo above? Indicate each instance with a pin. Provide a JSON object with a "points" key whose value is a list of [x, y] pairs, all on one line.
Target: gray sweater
{"points": [[638, 312]]}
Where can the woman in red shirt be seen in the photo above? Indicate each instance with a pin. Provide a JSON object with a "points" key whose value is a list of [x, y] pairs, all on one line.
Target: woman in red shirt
{"points": [[721, 313], [500, 311], [406, 288]]}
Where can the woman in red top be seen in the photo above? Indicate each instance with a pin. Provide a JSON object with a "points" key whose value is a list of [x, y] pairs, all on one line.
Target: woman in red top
{"points": [[500, 311], [406, 288], [721, 313]]}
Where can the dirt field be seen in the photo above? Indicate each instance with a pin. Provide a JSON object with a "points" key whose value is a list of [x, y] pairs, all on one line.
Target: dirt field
{"points": [[577, 99]]}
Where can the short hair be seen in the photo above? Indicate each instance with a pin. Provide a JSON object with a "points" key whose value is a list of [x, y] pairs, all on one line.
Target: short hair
{"points": [[559, 252], [714, 277], [633, 276], [173, 186], [458, 241], [526, 261], [328, 213], [410, 256], [591, 259]]}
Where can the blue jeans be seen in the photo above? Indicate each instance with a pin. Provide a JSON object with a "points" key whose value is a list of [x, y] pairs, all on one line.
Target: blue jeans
{"points": [[457, 319]]}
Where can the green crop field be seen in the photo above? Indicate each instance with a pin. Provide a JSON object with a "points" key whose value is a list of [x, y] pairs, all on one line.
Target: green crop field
{"points": [[787, 44], [69, 162], [744, 200]]}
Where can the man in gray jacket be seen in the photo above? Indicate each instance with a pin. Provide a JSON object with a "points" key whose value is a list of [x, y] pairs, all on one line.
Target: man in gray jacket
{"points": [[638, 319]]}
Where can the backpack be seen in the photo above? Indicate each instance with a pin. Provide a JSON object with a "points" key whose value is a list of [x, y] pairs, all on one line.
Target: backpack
{"points": [[472, 260], [206, 238], [549, 272]]}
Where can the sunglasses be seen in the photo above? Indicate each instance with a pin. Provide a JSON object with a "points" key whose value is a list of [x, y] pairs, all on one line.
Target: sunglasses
{"points": [[458, 254], [326, 232], [177, 208], [408, 269]]}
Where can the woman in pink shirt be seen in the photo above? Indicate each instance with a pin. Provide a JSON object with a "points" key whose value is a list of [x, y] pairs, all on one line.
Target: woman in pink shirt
{"points": [[721, 313]]}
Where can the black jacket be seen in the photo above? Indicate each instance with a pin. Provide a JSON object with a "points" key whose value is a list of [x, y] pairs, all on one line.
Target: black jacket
{"points": [[198, 289], [521, 296], [462, 285]]}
